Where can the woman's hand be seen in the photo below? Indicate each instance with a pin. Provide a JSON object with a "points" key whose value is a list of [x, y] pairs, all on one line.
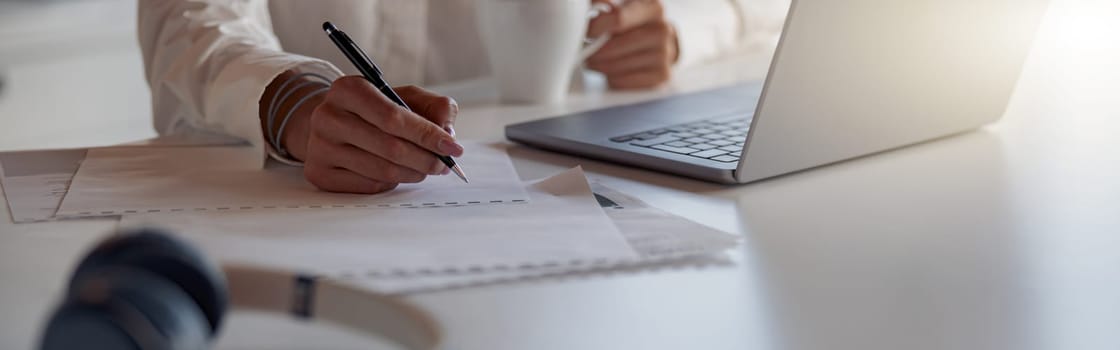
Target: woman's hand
{"points": [[642, 48], [356, 140]]}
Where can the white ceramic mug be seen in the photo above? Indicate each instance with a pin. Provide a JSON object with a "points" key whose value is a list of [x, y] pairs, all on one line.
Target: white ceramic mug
{"points": [[534, 45]]}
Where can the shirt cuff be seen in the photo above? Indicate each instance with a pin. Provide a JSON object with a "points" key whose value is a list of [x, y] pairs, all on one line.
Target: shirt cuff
{"points": [[243, 82]]}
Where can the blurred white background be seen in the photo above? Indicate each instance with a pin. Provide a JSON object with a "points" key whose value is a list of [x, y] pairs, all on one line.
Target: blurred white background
{"points": [[71, 68]]}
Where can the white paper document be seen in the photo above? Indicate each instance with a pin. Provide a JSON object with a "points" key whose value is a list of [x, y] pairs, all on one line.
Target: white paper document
{"points": [[120, 181], [560, 225], [660, 239], [38, 196], [35, 181]]}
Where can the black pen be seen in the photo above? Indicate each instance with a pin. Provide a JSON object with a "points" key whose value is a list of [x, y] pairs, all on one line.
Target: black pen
{"points": [[373, 75]]}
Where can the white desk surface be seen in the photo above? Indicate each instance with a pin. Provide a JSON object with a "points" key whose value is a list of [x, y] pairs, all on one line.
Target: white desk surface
{"points": [[1004, 238]]}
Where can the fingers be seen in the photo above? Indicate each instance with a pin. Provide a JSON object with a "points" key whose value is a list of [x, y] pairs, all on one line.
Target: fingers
{"points": [[362, 142], [654, 41], [345, 181], [625, 15], [369, 166], [357, 96], [643, 46], [638, 59], [344, 128], [439, 109]]}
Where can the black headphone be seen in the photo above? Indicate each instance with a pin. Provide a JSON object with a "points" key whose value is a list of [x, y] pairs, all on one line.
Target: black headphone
{"points": [[147, 290]]}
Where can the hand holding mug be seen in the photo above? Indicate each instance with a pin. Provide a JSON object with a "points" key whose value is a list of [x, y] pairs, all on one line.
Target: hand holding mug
{"points": [[534, 46], [642, 45]]}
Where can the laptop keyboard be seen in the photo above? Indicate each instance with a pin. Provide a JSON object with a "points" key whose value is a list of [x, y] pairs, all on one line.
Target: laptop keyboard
{"points": [[719, 139]]}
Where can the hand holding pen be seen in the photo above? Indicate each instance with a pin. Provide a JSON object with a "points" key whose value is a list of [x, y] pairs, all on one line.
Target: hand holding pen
{"points": [[352, 138], [369, 144], [372, 74]]}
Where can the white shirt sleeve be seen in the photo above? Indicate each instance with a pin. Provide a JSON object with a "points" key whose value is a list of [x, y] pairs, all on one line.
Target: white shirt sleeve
{"points": [[208, 61], [707, 29]]}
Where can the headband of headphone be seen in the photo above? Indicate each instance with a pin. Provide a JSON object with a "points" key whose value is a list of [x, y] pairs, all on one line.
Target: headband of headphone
{"points": [[148, 290], [323, 299]]}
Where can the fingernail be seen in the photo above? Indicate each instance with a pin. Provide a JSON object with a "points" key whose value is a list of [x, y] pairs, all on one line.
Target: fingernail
{"points": [[450, 130], [454, 107], [450, 148]]}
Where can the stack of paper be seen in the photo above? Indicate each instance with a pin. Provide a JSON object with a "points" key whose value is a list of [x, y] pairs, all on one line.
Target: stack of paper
{"points": [[560, 224], [433, 235], [660, 239]]}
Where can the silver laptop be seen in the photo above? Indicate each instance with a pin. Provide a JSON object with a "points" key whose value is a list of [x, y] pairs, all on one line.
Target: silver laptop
{"points": [[849, 78]]}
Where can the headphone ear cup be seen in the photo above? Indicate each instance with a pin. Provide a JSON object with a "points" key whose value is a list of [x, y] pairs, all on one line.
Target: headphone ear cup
{"points": [[126, 308], [76, 326], [165, 256]]}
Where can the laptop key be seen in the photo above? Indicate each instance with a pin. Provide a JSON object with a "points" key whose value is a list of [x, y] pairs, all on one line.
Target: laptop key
{"points": [[721, 142], [703, 146], [736, 153], [678, 144], [709, 153], [714, 136], [703, 131], [737, 139], [696, 140], [684, 135], [733, 132], [681, 150], [659, 131], [732, 148], [678, 129], [654, 141], [725, 159]]}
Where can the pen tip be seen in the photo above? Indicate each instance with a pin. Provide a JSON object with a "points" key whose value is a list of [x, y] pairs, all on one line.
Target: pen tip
{"points": [[327, 26], [459, 172]]}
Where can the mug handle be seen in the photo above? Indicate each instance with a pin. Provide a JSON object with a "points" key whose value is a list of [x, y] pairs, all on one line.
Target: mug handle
{"points": [[592, 45]]}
